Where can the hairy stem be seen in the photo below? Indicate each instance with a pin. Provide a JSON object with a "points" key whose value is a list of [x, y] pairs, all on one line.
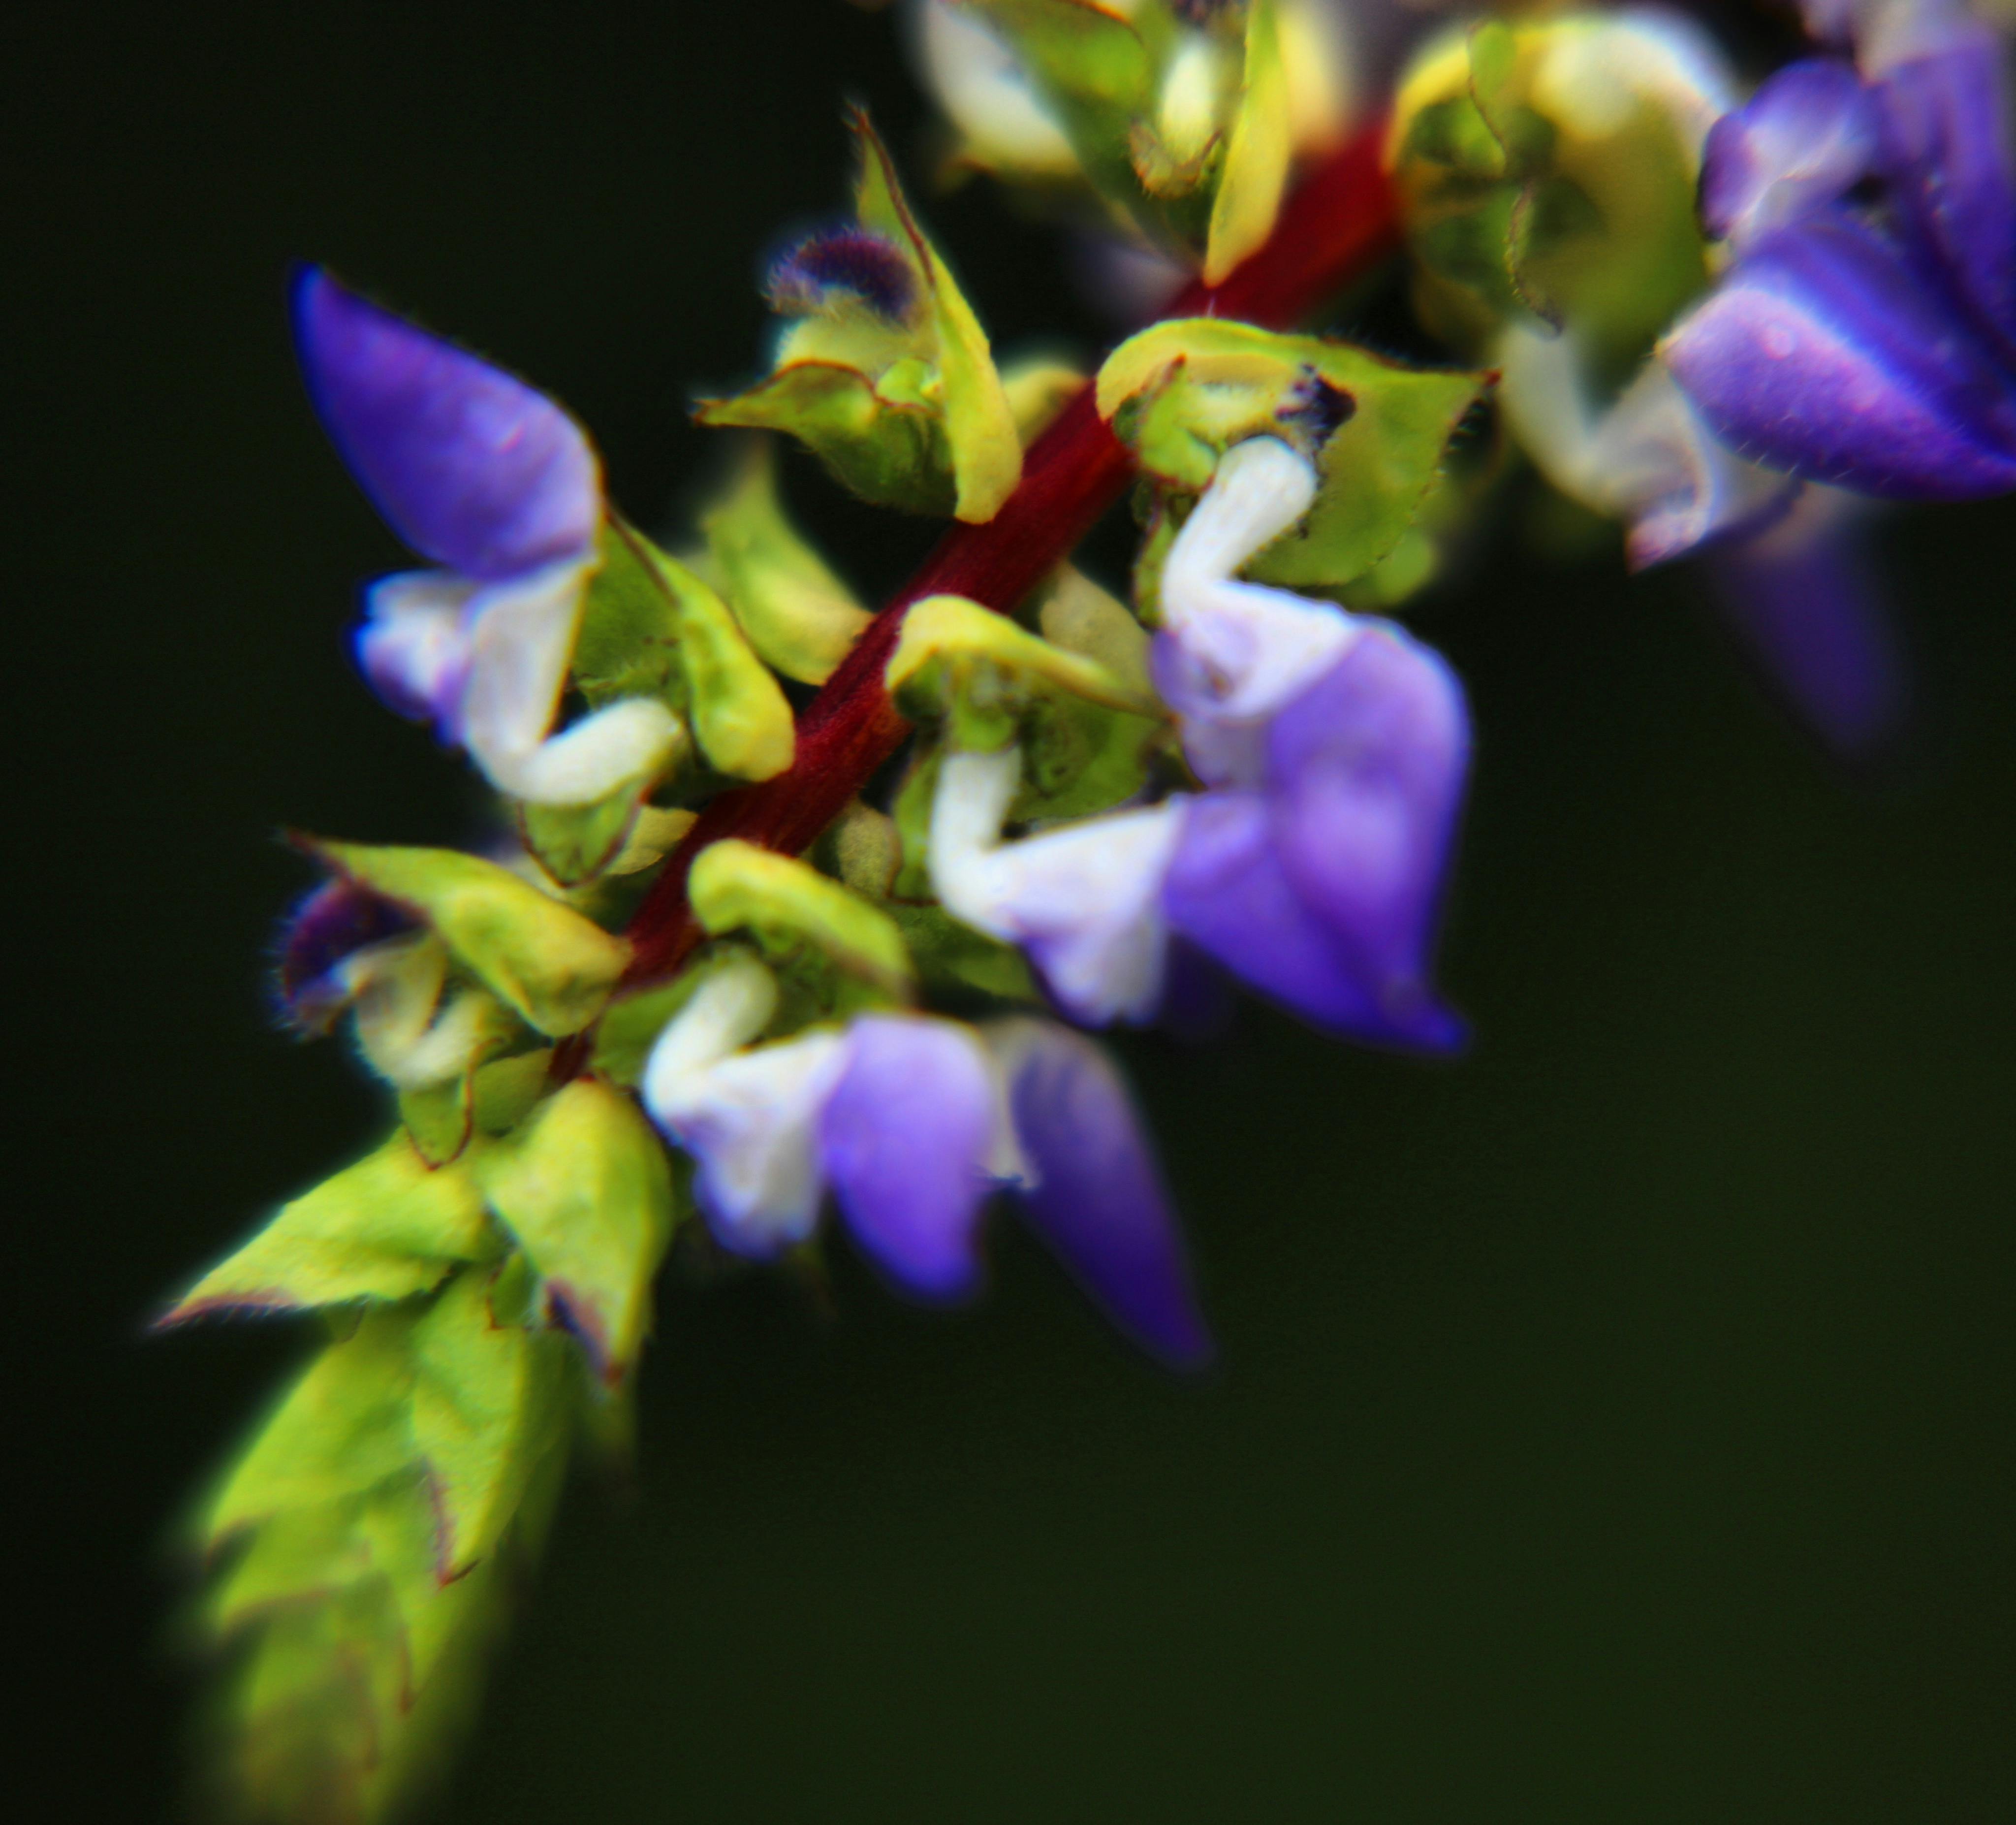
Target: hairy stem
{"points": [[1338, 223]]}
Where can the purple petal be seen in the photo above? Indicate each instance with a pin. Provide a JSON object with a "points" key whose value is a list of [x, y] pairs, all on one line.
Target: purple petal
{"points": [[333, 922], [1946, 122], [1369, 769], [1228, 893], [1824, 354], [472, 467], [1803, 141], [825, 268], [905, 1139], [1801, 600], [1098, 1203]]}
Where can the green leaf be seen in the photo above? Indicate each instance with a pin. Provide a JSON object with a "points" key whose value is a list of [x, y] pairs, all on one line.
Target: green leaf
{"points": [[798, 615], [503, 1092], [344, 1426], [586, 1189], [1094, 70], [910, 414], [1185, 391], [485, 1404], [891, 451], [384, 1229], [539, 955], [951, 954], [789, 907], [1256, 153], [912, 815], [947, 640]]}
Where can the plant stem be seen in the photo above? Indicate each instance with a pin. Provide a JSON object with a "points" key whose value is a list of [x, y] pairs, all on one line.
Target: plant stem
{"points": [[1336, 225]]}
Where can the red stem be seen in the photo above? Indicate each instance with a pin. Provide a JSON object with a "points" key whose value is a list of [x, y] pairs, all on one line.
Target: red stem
{"points": [[1338, 223]]}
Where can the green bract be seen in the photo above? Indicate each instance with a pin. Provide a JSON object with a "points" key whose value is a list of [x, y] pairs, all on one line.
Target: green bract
{"points": [[791, 909], [365, 1524], [1184, 391], [652, 626], [585, 1189], [798, 615], [903, 406], [1181, 124], [385, 1228], [1545, 170], [539, 955]]}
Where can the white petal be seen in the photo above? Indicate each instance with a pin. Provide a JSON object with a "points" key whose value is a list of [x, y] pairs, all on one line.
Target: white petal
{"points": [[631, 740], [733, 1004], [1245, 649], [521, 634], [1084, 901], [982, 87], [412, 646]]}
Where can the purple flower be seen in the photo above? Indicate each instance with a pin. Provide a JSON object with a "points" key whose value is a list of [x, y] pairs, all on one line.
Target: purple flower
{"points": [[489, 478], [473, 468], [913, 1122], [312, 978], [1868, 344]]}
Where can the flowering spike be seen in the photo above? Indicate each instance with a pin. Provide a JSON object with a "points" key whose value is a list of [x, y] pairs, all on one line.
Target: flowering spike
{"points": [[472, 467]]}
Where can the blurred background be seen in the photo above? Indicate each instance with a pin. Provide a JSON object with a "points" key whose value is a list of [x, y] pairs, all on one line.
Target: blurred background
{"points": [[1616, 1425]]}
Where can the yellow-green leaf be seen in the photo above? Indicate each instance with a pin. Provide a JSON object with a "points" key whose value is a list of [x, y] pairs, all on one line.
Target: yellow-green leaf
{"points": [[797, 614], [384, 1229], [586, 1189], [952, 632], [788, 905], [537, 953], [1256, 153]]}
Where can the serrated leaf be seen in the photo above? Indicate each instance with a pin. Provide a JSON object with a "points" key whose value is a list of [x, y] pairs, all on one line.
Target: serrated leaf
{"points": [[344, 1426], [539, 955], [1257, 151], [586, 1189], [788, 906], [485, 1398], [384, 1229], [797, 614]]}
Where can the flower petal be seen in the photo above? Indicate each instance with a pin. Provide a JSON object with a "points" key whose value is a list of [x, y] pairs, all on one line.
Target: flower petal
{"points": [[1800, 598], [1805, 138], [413, 649], [1098, 1202], [472, 467], [1823, 353], [1369, 769], [1228, 894], [906, 1137], [1946, 119]]}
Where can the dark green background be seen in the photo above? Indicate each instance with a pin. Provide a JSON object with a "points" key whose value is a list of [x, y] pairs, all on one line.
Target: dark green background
{"points": [[1615, 1426]]}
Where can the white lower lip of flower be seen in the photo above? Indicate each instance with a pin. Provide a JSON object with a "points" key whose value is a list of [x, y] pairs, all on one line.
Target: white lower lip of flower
{"points": [[1594, 78], [404, 1032], [730, 1007], [633, 740], [1085, 900], [751, 1121], [982, 87], [413, 638], [1649, 460], [1259, 646]]}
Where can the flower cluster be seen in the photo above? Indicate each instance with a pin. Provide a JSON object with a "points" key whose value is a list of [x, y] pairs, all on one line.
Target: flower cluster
{"points": [[724, 968]]}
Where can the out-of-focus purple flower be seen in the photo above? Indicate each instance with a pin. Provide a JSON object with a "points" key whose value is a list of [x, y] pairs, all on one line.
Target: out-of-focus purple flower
{"points": [[912, 1122], [1802, 600], [491, 479], [843, 265], [1868, 344]]}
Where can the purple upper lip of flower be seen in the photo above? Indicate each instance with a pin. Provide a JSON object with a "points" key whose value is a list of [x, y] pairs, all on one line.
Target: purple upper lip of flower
{"points": [[850, 261], [1873, 349], [471, 466]]}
